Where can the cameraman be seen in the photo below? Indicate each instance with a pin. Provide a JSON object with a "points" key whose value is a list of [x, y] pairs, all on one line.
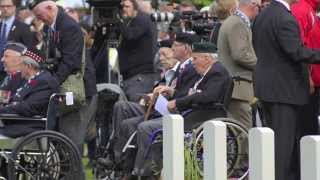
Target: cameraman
{"points": [[137, 49]]}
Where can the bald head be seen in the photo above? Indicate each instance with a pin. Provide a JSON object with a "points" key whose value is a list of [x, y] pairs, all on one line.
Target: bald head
{"points": [[46, 11]]}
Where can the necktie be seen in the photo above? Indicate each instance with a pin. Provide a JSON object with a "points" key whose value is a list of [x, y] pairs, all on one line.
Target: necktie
{"points": [[3, 38]]}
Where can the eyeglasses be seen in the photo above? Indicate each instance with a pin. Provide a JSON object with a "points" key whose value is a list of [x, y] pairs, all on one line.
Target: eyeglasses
{"points": [[6, 6]]}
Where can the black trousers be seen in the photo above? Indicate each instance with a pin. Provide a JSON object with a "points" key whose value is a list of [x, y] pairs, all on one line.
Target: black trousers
{"points": [[285, 120], [310, 125]]}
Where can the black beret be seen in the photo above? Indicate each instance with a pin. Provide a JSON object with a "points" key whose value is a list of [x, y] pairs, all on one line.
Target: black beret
{"points": [[166, 43], [187, 38], [206, 47], [34, 3], [18, 47]]}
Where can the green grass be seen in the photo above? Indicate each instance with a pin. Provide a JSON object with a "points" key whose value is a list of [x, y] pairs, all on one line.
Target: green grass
{"points": [[89, 174]]}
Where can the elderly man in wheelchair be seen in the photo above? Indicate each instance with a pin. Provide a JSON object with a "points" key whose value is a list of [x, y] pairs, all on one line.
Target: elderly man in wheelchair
{"points": [[38, 153], [204, 101], [32, 97]]}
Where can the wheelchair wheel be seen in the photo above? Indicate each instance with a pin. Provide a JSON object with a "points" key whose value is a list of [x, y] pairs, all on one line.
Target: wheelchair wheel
{"points": [[237, 149], [45, 155]]}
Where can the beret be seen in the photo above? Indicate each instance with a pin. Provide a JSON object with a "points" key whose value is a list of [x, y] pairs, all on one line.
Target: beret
{"points": [[205, 47], [187, 38], [34, 3]]}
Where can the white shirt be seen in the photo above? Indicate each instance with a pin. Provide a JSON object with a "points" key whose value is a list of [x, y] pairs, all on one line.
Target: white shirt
{"points": [[285, 3], [169, 74], [53, 25]]}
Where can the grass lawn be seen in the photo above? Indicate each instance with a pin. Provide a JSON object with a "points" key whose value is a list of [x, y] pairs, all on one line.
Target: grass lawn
{"points": [[89, 174]]}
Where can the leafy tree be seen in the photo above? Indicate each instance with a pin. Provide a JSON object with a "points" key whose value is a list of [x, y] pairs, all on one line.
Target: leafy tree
{"points": [[201, 3]]}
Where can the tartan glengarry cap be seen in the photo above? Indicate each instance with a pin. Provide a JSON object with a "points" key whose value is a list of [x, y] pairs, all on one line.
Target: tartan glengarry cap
{"points": [[205, 47], [34, 3], [35, 55], [187, 38]]}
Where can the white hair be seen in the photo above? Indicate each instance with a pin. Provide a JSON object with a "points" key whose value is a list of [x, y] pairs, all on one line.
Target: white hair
{"points": [[244, 2], [31, 62]]}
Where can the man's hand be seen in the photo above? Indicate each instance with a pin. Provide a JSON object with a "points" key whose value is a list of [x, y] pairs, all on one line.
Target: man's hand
{"points": [[172, 106], [164, 90]]}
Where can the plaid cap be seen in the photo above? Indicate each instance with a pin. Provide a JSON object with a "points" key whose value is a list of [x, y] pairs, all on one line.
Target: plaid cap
{"points": [[206, 47], [35, 55]]}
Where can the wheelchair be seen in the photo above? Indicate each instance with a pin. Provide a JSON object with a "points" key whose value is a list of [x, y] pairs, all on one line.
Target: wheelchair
{"points": [[39, 152], [237, 147], [108, 95], [237, 150]]}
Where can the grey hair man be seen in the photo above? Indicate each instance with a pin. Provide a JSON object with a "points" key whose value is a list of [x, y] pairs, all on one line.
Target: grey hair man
{"points": [[32, 97], [235, 50]]}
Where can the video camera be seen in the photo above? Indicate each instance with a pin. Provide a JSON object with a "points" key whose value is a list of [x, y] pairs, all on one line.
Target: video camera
{"points": [[176, 16], [199, 23], [104, 13]]}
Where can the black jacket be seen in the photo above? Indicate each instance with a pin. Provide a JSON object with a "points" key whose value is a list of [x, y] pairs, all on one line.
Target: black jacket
{"points": [[12, 83], [66, 44], [33, 97], [20, 32], [185, 80], [138, 46], [281, 74], [210, 90]]}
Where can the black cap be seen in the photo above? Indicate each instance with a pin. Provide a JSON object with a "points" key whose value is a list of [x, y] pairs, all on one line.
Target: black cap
{"points": [[187, 38], [34, 3], [18, 47], [206, 47]]}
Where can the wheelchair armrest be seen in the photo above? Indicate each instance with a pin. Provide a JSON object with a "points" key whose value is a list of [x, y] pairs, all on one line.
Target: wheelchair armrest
{"points": [[23, 118]]}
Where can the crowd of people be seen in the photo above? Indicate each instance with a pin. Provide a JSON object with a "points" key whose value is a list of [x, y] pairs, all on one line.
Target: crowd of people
{"points": [[265, 53]]}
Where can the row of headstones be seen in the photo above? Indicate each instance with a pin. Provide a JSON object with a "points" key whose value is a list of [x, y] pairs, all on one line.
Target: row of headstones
{"points": [[261, 152]]}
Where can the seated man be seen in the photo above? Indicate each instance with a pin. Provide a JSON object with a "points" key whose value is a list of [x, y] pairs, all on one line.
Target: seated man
{"points": [[33, 97], [197, 106], [184, 77], [13, 80], [181, 80]]}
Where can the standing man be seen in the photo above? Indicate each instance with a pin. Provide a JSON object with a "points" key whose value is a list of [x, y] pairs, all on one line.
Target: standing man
{"points": [[236, 52], [137, 49], [281, 80], [65, 47], [12, 29]]}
